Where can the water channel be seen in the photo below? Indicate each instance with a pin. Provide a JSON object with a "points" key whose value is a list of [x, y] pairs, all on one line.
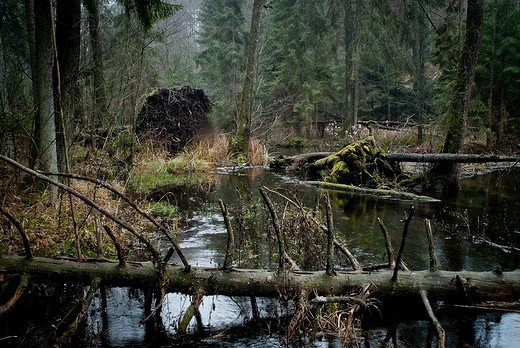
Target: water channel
{"points": [[488, 202]]}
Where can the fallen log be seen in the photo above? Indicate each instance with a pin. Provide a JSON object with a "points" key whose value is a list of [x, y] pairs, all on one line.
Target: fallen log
{"points": [[269, 283], [449, 157], [298, 162]]}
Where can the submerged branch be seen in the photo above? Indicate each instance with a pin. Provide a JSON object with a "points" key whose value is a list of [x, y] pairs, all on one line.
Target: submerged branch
{"points": [[441, 334]]}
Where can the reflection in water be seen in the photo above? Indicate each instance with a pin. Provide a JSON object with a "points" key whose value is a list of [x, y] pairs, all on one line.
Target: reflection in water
{"points": [[498, 331], [356, 219]]}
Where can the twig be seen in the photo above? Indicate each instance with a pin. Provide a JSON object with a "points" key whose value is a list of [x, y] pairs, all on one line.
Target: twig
{"points": [[441, 334], [19, 227], [99, 238], [299, 316], [330, 240], [407, 219], [284, 256], [24, 280], [159, 306], [120, 254], [190, 312], [67, 338], [388, 244], [133, 205], [365, 292], [155, 253], [228, 261], [353, 261], [431, 245]]}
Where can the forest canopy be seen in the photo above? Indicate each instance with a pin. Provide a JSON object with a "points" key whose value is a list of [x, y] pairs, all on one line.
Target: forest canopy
{"points": [[321, 65]]}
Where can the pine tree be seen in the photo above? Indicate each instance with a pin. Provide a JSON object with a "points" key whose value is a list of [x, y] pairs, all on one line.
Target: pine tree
{"points": [[222, 60]]}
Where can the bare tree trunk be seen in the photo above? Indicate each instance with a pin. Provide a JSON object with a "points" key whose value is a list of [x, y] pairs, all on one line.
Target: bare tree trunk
{"points": [[445, 177], [5, 140], [68, 18], [100, 98], [29, 23], [44, 102]]}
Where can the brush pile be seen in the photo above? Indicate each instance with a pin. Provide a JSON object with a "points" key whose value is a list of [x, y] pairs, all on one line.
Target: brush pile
{"points": [[173, 116]]}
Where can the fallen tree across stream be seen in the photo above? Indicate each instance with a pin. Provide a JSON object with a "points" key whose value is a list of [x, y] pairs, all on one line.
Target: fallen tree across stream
{"points": [[300, 161], [454, 285]]}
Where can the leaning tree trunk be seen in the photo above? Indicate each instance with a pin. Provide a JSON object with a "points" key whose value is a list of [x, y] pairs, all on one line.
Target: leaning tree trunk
{"points": [[445, 176]]}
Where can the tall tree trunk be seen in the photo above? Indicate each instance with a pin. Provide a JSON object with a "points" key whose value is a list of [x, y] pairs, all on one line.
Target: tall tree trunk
{"points": [[245, 108], [44, 102], [68, 18], [445, 176], [352, 56], [100, 98], [489, 116], [6, 145], [29, 23], [420, 64]]}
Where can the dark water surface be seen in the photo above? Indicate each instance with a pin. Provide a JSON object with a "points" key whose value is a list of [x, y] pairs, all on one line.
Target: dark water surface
{"points": [[488, 202]]}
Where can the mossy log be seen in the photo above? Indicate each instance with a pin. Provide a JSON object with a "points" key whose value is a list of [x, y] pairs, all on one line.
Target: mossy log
{"points": [[266, 283], [360, 163], [450, 158]]}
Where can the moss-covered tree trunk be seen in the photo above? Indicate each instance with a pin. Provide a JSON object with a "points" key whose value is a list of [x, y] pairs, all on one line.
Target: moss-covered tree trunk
{"points": [[445, 176], [245, 108]]}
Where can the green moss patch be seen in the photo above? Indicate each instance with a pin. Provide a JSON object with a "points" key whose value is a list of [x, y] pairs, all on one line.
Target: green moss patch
{"points": [[360, 163]]}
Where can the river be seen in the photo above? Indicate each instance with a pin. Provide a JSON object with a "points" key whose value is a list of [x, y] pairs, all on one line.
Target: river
{"points": [[487, 205]]}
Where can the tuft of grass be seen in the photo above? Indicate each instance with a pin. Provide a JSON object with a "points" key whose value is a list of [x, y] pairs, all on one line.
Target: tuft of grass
{"points": [[257, 153], [164, 209], [154, 169]]}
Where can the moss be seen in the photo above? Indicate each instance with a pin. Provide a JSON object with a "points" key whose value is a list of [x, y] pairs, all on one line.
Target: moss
{"points": [[359, 163]]}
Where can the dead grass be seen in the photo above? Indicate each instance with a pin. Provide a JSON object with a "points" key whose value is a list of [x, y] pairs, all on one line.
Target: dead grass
{"points": [[257, 153]]}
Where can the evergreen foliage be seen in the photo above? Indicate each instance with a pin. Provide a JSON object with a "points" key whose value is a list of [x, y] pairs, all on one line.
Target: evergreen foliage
{"points": [[222, 60], [498, 73]]}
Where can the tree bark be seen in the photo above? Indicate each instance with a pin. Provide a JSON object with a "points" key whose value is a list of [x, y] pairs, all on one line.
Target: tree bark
{"points": [[449, 158], [267, 283], [445, 177], [245, 108], [68, 19], [44, 102], [100, 98]]}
